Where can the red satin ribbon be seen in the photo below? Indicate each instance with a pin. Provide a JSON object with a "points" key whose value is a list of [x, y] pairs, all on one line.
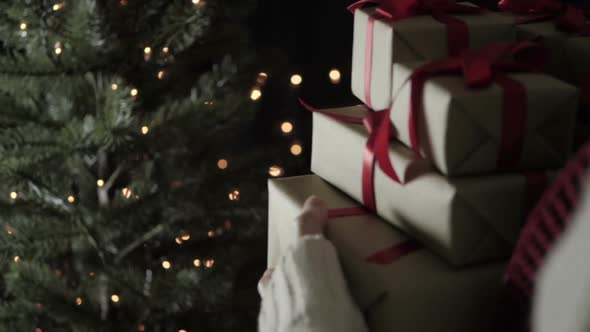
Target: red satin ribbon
{"points": [[479, 69], [567, 16], [457, 30], [372, 121], [391, 254], [347, 212], [385, 256]]}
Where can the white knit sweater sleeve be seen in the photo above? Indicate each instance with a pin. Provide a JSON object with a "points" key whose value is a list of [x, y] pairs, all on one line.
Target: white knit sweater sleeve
{"points": [[307, 292]]}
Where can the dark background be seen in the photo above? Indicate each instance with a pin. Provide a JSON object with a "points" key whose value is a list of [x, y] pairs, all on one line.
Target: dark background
{"points": [[308, 38]]}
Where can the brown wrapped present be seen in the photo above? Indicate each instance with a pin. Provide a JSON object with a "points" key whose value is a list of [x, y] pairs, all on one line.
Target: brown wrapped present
{"points": [[415, 292]]}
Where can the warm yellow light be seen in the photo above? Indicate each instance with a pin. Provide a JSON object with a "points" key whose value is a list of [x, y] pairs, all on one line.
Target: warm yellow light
{"points": [[166, 265], [165, 49], [78, 301], [234, 195], [23, 26], [182, 330], [209, 263], [255, 94], [13, 195], [134, 92], [9, 230], [211, 234], [178, 240], [17, 259], [147, 50], [275, 171], [185, 237], [115, 298], [335, 76], [197, 262], [58, 50], [126, 192], [262, 77], [58, 6], [71, 199], [222, 164], [161, 74], [296, 79], [145, 130], [196, 2], [114, 86], [286, 127], [296, 149], [100, 182]]}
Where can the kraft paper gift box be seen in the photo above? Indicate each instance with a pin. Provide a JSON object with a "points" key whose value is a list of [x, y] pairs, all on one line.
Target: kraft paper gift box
{"points": [[570, 54], [460, 127], [465, 220], [417, 38], [418, 292]]}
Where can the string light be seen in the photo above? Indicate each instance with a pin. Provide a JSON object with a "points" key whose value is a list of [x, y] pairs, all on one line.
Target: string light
{"points": [[141, 328], [71, 199], [126, 192], [196, 2], [296, 79], [197, 262], [296, 149], [210, 234], [234, 195], [17, 259], [13, 195], [134, 92], [147, 50], [166, 265], [161, 74], [145, 130], [115, 298], [165, 50], [335, 76], [123, 2], [185, 237], [114, 86], [38, 329], [9, 230], [23, 26], [100, 182], [58, 49], [91, 274], [275, 171], [222, 164], [182, 330], [209, 263], [262, 77], [58, 6], [78, 301], [255, 94], [286, 127], [178, 240]]}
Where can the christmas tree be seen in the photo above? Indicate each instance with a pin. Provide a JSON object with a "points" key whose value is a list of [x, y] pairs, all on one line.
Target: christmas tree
{"points": [[122, 205]]}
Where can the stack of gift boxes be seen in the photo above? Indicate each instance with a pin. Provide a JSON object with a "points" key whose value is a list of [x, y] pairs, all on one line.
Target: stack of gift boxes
{"points": [[460, 131]]}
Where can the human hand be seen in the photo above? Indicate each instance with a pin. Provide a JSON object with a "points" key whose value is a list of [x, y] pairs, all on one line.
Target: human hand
{"points": [[313, 217]]}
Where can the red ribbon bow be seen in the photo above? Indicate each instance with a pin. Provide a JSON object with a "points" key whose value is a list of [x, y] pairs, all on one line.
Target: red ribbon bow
{"points": [[478, 69], [457, 30], [374, 122], [567, 16]]}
